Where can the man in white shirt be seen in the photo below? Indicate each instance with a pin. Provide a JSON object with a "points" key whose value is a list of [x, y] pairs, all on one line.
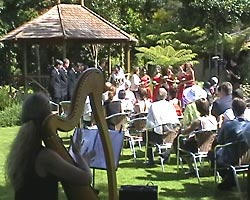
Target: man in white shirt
{"points": [[135, 80], [160, 113]]}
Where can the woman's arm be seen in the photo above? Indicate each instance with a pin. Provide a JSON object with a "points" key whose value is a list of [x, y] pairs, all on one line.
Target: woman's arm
{"points": [[49, 162], [192, 127]]}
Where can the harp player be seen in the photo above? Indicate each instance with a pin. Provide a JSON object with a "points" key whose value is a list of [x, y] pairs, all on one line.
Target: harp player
{"points": [[34, 170]]}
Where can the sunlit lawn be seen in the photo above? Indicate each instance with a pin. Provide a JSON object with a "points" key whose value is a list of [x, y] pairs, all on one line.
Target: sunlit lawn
{"points": [[171, 185]]}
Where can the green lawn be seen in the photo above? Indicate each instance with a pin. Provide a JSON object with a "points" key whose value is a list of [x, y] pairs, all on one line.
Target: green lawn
{"points": [[171, 185]]}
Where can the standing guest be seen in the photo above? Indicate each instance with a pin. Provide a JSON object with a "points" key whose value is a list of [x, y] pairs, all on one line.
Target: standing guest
{"points": [[169, 78], [224, 100], [72, 79], [117, 77], [189, 76], [234, 74], [214, 84], [156, 82], [181, 86], [102, 67], [135, 81], [87, 116], [64, 79], [34, 170], [160, 112], [145, 82], [55, 82]]}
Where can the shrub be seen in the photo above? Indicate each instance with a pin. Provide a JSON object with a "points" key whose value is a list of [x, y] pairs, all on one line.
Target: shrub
{"points": [[10, 116], [5, 99]]}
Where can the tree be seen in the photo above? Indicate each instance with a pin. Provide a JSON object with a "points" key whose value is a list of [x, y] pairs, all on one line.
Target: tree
{"points": [[165, 56]]}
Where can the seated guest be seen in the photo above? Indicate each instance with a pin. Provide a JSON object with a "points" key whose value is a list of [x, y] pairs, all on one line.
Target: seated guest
{"points": [[190, 95], [126, 104], [206, 121], [172, 99], [108, 86], [111, 105], [143, 102], [229, 114], [231, 131], [129, 94], [224, 100], [160, 112], [87, 114]]}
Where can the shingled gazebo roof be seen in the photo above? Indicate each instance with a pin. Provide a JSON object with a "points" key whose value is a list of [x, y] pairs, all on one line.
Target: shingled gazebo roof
{"points": [[69, 22]]}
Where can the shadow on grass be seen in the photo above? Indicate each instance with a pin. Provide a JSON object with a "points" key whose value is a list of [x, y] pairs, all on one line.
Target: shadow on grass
{"points": [[195, 191]]}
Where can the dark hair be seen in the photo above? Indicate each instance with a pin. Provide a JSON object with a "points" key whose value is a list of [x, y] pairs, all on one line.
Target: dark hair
{"points": [[202, 106], [226, 87], [143, 93], [121, 94], [111, 92], [207, 84], [238, 106], [238, 93], [58, 62], [36, 107]]}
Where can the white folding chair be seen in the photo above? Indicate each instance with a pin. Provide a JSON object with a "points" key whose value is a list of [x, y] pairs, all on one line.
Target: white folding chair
{"points": [[204, 140], [241, 167], [136, 128]]}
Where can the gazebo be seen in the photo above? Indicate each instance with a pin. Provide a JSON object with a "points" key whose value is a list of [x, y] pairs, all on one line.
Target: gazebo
{"points": [[65, 23]]}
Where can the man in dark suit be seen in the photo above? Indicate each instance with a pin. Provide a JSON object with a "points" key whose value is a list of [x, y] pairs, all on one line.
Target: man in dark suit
{"points": [[72, 79], [64, 79], [102, 68], [224, 101], [55, 82]]}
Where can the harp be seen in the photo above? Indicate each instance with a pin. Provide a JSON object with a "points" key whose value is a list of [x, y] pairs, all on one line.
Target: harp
{"points": [[90, 83]]}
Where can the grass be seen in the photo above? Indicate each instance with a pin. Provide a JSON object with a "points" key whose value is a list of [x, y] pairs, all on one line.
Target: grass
{"points": [[171, 184]]}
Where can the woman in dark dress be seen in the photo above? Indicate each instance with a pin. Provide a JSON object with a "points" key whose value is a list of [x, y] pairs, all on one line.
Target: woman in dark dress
{"points": [[34, 170]]}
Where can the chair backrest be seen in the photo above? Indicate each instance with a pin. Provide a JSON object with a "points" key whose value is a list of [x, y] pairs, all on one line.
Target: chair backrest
{"points": [[244, 153], [170, 132], [205, 140], [138, 124], [65, 107], [117, 121], [54, 107]]}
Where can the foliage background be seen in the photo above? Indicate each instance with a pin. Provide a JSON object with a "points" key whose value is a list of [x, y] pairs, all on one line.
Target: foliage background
{"points": [[137, 17]]}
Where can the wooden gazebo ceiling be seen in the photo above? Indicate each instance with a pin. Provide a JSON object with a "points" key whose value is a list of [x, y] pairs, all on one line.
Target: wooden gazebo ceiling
{"points": [[66, 22]]}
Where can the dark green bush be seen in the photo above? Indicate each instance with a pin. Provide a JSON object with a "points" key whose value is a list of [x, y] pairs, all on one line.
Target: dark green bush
{"points": [[5, 98]]}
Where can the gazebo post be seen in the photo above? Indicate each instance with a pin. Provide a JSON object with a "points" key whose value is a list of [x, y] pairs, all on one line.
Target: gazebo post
{"points": [[109, 60], [127, 58], [38, 62], [25, 67], [122, 55]]}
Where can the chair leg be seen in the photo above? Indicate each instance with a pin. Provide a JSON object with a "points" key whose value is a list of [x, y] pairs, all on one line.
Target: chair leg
{"points": [[139, 143], [196, 169], [132, 148], [162, 164], [237, 182]]}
